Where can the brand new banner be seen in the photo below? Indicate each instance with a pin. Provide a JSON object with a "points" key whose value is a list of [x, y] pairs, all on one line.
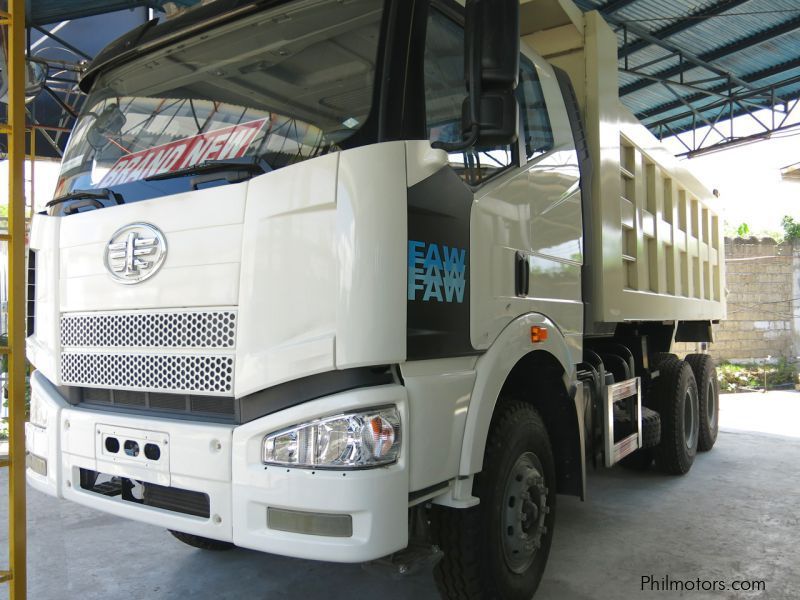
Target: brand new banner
{"points": [[221, 144]]}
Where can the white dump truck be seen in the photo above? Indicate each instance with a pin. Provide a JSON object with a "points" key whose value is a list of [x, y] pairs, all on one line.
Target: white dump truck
{"points": [[367, 280]]}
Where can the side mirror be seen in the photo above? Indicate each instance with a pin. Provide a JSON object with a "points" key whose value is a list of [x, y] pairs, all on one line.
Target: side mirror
{"points": [[490, 115], [35, 77]]}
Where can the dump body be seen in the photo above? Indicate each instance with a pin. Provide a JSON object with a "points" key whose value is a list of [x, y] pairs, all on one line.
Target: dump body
{"points": [[653, 234]]}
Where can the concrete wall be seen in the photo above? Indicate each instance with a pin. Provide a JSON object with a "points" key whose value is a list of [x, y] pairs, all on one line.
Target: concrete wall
{"points": [[763, 282]]}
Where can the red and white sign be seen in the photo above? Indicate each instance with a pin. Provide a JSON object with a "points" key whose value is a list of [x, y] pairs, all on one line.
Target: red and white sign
{"points": [[221, 144]]}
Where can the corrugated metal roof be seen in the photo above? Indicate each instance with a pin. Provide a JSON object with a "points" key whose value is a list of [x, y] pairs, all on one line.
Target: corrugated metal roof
{"points": [[756, 43]]}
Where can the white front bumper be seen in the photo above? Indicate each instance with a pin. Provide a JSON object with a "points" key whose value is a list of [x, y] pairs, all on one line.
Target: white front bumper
{"points": [[224, 462]]}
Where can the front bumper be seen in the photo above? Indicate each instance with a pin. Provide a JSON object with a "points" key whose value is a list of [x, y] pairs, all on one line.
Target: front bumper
{"points": [[224, 462]]}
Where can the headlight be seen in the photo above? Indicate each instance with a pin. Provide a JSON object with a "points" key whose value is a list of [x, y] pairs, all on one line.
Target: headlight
{"points": [[38, 412], [347, 441]]}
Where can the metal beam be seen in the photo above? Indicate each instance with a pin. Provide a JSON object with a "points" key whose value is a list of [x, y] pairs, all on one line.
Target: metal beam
{"points": [[705, 59], [753, 77], [695, 113], [732, 143], [64, 106], [719, 103], [682, 24], [698, 91], [613, 6], [66, 45]]}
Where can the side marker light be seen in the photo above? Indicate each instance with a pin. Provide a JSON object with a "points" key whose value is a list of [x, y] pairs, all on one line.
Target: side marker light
{"points": [[538, 334]]}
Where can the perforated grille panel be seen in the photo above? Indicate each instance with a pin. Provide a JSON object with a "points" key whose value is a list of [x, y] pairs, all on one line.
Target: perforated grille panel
{"points": [[188, 352], [150, 330], [149, 372]]}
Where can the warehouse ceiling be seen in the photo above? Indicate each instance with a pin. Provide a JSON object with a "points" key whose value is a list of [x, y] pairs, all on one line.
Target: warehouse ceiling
{"points": [[685, 65]]}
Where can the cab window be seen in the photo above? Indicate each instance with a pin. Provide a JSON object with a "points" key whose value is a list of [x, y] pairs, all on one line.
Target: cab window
{"points": [[536, 129]]}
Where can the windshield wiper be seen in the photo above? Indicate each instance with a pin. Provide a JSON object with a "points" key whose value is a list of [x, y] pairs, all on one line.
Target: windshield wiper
{"points": [[91, 197], [234, 170]]}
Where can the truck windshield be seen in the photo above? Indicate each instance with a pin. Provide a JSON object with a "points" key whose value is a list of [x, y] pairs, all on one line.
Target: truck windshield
{"points": [[275, 88]]}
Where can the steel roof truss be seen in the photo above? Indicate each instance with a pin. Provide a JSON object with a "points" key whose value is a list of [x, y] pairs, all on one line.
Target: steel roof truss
{"points": [[751, 77], [705, 60]]}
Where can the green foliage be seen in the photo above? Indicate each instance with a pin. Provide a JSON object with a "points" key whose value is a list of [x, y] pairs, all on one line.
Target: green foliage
{"points": [[4, 357], [750, 376], [791, 229], [743, 230]]}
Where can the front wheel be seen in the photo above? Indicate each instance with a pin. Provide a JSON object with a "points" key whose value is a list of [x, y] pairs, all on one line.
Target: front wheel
{"points": [[499, 548]]}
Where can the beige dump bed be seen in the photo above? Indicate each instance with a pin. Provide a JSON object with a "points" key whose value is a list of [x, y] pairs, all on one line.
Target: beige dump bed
{"points": [[655, 247]]}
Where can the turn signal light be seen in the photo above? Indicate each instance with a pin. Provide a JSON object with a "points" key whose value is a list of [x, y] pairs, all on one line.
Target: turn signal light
{"points": [[538, 334]]}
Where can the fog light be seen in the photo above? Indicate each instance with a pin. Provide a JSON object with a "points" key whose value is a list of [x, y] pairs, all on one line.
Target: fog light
{"points": [[37, 464], [308, 523]]}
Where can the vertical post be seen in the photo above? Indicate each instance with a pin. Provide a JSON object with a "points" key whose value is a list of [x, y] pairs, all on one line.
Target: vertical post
{"points": [[16, 311]]}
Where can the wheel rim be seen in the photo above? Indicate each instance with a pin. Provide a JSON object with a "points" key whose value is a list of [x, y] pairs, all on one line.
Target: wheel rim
{"points": [[690, 421], [711, 405], [524, 511]]}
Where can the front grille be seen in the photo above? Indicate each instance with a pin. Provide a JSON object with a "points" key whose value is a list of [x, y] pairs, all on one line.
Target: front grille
{"points": [[177, 500], [174, 499], [178, 372], [215, 407], [150, 330], [186, 352]]}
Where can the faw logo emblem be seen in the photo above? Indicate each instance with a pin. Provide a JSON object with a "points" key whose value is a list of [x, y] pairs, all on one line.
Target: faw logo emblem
{"points": [[436, 273], [135, 253]]}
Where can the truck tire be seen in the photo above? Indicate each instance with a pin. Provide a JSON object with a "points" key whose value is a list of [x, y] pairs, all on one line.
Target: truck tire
{"points": [[705, 374], [499, 548], [651, 427], [676, 399], [660, 357], [204, 543], [641, 459]]}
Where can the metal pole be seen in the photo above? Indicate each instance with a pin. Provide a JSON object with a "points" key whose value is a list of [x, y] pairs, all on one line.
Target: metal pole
{"points": [[16, 305]]}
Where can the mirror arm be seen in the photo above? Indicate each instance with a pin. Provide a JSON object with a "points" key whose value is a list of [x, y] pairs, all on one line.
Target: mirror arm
{"points": [[474, 84], [462, 145]]}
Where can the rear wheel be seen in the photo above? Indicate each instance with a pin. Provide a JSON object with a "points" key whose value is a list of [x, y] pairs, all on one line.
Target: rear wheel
{"points": [[705, 374], [204, 543], [499, 548], [675, 396]]}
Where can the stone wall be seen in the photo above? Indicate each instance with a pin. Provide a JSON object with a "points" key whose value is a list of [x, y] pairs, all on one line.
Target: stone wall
{"points": [[763, 282]]}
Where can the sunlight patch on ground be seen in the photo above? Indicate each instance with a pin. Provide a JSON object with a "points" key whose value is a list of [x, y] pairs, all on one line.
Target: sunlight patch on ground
{"points": [[775, 412]]}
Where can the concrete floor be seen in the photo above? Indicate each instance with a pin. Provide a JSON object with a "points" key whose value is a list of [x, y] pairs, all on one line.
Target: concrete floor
{"points": [[734, 517]]}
